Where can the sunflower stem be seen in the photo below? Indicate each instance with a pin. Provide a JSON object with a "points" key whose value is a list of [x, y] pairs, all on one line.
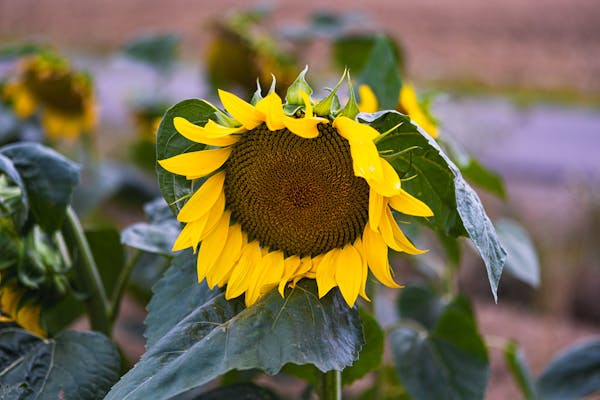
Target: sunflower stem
{"points": [[87, 274], [331, 385], [121, 283]]}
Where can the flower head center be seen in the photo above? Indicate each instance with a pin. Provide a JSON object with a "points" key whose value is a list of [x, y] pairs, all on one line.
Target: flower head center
{"points": [[294, 194], [57, 90]]}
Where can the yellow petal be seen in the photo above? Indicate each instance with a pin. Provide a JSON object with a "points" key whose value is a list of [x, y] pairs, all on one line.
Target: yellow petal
{"points": [[308, 110], [190, 235], [407, 204], [326, 272], [348, 273], [245, 113], [377, 257], [211, 134], [368, 101], [212, 246], [213, 216], [196, 164], [272, 109], [238, 281], [365, 157], [229, 256], [364, 269], [352, 130], [203, 199], [376, 204], [304, 127], [290, 266], [390, 184], [393, 236]]}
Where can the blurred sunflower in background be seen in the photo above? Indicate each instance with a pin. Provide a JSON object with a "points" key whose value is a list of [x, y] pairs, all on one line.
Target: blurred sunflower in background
{"points": [[241, 49], [408, 103], [45, 83], [286, 196]]}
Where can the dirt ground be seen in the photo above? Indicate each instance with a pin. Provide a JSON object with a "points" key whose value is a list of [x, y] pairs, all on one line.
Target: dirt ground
{"points": [[546, 44]]}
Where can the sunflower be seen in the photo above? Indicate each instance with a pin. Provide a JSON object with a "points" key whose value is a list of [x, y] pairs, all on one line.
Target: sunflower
{"points": [[64, 97], [290, 197], [408, 104], [26, 315]]}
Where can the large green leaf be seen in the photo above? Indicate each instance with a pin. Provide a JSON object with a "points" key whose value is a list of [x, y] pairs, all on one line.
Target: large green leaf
{"points": [[7, 167], [170, 143], [73, 365], [212, 335], [449, 362], [517, 365], [158, 235], [573, 374], [439, 183], [522, 261], [49, 179]]}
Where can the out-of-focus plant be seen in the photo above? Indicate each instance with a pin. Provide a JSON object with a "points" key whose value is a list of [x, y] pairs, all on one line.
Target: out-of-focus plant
{"points": [[242, 50], [46, 86]]}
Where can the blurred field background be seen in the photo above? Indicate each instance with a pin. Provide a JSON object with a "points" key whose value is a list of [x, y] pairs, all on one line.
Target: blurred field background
{"points": [[514, 73]]}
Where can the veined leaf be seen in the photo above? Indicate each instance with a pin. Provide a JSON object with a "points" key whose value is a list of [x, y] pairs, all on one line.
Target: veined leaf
{"points": [[210, 335], [73, 365]]}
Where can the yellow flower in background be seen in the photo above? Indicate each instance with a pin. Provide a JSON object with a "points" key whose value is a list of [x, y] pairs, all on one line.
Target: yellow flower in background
{"points": [[290, 197], [64, 97], [27, 315], [408, 104]]}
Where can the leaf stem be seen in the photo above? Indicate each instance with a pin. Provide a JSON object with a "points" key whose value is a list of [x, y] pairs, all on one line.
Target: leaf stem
{"points": [[87, 274], [331, 385], [121, 283]]}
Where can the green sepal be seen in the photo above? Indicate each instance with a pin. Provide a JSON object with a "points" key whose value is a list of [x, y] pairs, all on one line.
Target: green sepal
{"points": [[257, 96], [350, 110], [327, 105], [293, 96]]}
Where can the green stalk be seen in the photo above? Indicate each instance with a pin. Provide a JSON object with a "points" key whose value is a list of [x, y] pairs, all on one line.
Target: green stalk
{"points": [[331, 385], [121, 283], [87, 274]]}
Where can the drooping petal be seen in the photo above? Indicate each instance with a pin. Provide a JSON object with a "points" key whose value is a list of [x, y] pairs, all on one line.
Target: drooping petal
{"points": [[238, 281], [304, 127], [212, 246], [365, 157], [348, 273], [390, 184], [407, 204], [190, 234], [211, 134], [326, 272], [229, 256], [358, 245], [245, 113], [213, 216], [394, 237], [272, 108], [376, 252], [196, 164], [290, 266], [376, 205], [203, 199]]}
